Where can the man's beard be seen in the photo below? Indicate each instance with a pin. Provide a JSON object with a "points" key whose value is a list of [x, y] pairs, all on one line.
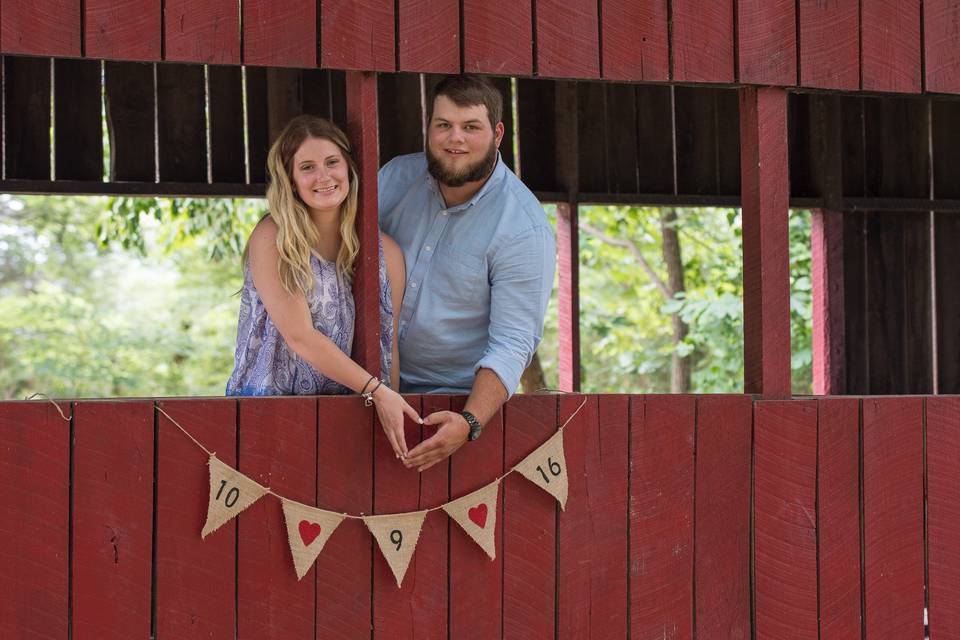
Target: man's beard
{"points": [[471, 173]]}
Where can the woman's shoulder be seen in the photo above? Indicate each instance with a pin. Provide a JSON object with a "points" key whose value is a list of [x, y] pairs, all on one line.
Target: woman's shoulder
{"points": [[390, 246], [264, 235]]}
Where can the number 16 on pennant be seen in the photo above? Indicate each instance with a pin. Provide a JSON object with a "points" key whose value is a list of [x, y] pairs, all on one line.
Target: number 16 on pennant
{"points": [[546, 467]]}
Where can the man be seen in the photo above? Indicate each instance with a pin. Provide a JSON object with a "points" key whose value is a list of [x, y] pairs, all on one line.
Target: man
{"points": [[480, 258]]}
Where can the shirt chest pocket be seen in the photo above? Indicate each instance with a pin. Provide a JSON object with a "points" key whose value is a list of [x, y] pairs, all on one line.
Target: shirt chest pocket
{"points": [[459, 277]]}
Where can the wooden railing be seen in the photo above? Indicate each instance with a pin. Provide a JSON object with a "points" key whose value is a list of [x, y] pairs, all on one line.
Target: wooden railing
{"points": [[688, 517]]}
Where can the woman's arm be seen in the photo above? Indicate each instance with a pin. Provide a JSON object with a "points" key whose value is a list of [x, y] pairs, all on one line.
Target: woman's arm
{"points": [[397, 273], [291, 315]]}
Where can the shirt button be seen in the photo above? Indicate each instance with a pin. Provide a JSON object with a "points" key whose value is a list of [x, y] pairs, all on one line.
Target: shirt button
{"points": [[444, 213], [413, 285], [428, 248]]}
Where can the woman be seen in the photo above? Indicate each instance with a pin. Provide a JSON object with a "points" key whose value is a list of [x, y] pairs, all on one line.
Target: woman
{"points": [[295, 330]]}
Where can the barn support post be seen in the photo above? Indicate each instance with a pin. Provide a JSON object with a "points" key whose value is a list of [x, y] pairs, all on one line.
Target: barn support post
{"points": [[362, 129], [826, 243], [765, 193], [568, 238]]}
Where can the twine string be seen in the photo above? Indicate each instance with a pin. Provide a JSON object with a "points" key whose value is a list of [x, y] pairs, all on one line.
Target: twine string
{"points": [[55, 405], [186, 433]]}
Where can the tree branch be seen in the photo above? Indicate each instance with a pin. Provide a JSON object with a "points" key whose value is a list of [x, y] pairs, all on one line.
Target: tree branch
{"points": [[634, 250]]}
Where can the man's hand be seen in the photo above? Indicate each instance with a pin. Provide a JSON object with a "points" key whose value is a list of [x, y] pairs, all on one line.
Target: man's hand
{"points": [[452, 432]]}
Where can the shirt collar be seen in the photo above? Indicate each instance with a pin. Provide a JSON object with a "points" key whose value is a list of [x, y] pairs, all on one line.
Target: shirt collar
{"points": [[496, 176]]}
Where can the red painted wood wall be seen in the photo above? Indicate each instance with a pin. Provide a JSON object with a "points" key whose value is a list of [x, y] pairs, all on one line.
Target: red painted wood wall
{"points": [[100, 518], [876, 45]]}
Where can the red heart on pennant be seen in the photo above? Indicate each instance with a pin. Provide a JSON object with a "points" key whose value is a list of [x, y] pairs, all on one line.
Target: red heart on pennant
{"points": [[478, 515], [309, 531]]}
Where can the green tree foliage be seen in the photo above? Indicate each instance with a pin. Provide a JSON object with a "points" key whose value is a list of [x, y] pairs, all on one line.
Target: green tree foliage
{"points": [[626, 337], [119, 298]]}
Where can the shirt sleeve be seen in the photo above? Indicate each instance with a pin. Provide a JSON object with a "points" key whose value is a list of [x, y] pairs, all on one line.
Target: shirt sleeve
{"points": [[521, 279]]}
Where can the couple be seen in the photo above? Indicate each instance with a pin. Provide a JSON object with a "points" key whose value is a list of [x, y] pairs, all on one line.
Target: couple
{"points": [[466, 268]]}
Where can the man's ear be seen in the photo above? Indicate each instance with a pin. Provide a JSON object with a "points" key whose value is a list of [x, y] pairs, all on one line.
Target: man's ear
{"points": [[498, 132]]}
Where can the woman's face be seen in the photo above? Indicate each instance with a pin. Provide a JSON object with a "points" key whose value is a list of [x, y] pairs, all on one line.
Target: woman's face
{"points": [[321, 175]]}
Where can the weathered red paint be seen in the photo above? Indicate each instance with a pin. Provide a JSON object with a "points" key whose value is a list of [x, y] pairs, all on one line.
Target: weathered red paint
{"points": [[207, 31], [438, 53], [661, 515], [568, 296], [767, 42], [702, 40], [568, 42], [722, 516], [829, 44], [941, 43], [194, 576], [44, 28], [785, 519], [829, 356], [358, 34], [765, 194], [280, 34], [635, 40], [122, 29], [890, 45], [497, 37], [943, 514], [838, 517], [893, 516]]}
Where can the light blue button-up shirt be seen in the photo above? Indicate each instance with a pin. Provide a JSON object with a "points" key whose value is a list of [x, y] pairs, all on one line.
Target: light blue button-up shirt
{"points": [[479, 276]]}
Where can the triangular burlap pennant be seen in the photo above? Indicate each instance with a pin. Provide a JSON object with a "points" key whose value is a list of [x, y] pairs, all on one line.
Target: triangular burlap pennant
{"points": [[547, 468], [397, 536], [308, 529], [476, 513], [230, 493]]}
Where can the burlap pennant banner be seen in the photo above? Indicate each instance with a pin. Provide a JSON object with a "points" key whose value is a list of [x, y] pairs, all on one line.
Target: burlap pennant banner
{"points": [[397, 536], [230, 493], [476, 513], [308, 529], [546, 467]]}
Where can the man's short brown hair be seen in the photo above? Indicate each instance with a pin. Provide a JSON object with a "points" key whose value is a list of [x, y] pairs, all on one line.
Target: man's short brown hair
{"points": [[468, 90]]}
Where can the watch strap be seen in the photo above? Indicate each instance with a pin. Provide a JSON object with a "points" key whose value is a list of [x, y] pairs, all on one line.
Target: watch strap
{"points": [[475, 427]]}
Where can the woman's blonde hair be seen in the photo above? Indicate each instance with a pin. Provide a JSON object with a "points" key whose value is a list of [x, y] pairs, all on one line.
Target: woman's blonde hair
{"points": [[297, 237]]}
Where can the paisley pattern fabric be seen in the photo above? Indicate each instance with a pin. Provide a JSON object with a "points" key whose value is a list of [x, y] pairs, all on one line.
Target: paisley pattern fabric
{"points": [[265, 366]]}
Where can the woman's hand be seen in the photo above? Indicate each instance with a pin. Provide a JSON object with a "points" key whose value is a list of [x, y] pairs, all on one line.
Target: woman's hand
{"points": [[390, 409]]}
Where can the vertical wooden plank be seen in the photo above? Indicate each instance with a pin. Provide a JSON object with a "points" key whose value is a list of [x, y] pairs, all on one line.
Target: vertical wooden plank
{"points": [[829, 44], [893, 551], [855, 298], [785, 519], [537, 128], [947, 239], [498, 37], [27, 116], [702, 40], [898, 306], [766, 269], [727, 148], [44, 28], [122, 29], [396, 489], [284, 99], [621, 126], [439, 53], [400, 126], [129, 100], [182, 123], [568, 295], [661, 516], [362, 130], [343, 20], [278, 449], [896, 141], [826, 240], [890, 45], [593, 528], [568, 42], [195, 578], [476, 582], [207, 31], [505, 85], [225, 86], [941, 46], [943, 513], [529, 524], [34, 519], [589, 124], [767, 42], [838, 517], [722, 517], [696, 134], [635, 45], [655, 139], [78, 140], [112, 519], [280, 34], [258, 126], [345, 484], [433, 577]]}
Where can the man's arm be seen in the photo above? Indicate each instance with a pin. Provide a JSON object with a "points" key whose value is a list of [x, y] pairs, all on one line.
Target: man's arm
{"points": [[486, 397]]}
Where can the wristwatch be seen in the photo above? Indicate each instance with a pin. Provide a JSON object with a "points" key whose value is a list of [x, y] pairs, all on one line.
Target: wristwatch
{"points": [[475, 427]]}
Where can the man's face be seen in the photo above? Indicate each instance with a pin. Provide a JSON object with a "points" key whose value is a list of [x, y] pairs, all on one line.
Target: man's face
{"points": [[461, 144]]}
